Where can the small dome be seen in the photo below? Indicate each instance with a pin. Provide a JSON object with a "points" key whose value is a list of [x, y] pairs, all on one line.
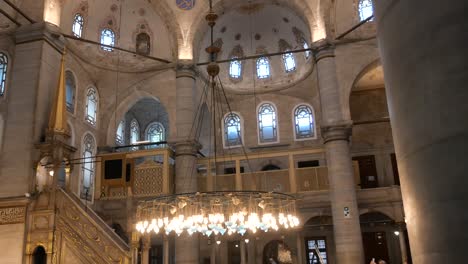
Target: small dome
{"points": [[255, 29]]}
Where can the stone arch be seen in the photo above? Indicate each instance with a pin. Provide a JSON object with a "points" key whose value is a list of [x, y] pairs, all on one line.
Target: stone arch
{"points": [[278, 251], [163, 9], [380, 213], [125, 105], [39, 255]]}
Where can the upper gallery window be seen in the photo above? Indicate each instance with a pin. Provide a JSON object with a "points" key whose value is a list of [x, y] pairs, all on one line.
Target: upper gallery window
{"points": [[70, 86], [3, 72], [366, 9], [87, 168], [232, 130], [155, 132], [311, 251], [143, 44], [306, 46], [107, 38], [304, 122], [134, 132], [289, 62], [267, 123], [263, 68], [120, 134], [235, 69], [78, 23], [91, 106]]}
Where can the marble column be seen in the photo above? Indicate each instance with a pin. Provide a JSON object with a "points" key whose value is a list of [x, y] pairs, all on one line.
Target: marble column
{"points": [[402, 240], [165, 250], [424, 57], [186, 149], [299, 247], [243, 252], [335, 132], [145, 249]]}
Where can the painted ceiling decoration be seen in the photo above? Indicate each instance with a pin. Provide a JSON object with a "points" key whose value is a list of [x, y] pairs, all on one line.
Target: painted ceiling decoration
{"points": [[185, 4]]}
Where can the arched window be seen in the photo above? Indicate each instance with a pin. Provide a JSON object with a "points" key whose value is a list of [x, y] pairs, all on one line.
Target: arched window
{"points": [[263, 68], [289, 62], [120, 134], [306, 46], [267, 123], [3, 72], [143, 44], [235, 69], [91, 106], [134, 132], [232, 130], [366, 9], [87, 168], [78, 23], [304, 122], [107, 38], [155, 132], [70, 85]]}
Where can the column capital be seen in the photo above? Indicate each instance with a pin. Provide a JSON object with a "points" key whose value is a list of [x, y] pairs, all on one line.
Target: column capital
{"points": [[146, 245], [323, 49], [42, 31], [186, 68], [186, 147], [337, 132]]}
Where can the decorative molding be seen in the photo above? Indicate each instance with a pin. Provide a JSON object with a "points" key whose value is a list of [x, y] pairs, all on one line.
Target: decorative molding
{"points": [[186, 148], [12, 215], [323, 49], [337, 132], [186, 69]]}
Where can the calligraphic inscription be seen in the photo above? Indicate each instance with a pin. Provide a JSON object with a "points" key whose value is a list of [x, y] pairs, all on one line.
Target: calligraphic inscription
{"points": [[12, 215], [185, 4]]}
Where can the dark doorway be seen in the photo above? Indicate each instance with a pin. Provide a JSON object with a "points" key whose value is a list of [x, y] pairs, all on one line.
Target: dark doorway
{"points": [[270, 167], [39, 256], [156, 255], [308, 164], [396, 176], [375, 246], [234, 252], [367, 171]]}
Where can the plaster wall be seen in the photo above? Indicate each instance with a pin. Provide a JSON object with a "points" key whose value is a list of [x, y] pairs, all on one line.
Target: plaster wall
{"points": [[12, 243]]}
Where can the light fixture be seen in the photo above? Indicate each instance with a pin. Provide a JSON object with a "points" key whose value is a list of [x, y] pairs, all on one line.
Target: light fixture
{"points": [[220, 212], [51, 173], [246, 240], [397, 233]]}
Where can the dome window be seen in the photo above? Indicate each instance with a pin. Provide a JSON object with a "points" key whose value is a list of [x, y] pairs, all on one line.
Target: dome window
{"points": [[78, 23], [107, 39], [289, 62], [263, 68], [366, 9], [235, 69]]}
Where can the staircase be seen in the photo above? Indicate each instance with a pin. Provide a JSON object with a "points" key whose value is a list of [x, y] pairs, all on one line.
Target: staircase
{"points": [[83, 237]]}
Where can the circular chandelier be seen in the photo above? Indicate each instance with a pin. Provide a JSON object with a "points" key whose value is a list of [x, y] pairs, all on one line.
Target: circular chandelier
{"points": [[217, 213]]}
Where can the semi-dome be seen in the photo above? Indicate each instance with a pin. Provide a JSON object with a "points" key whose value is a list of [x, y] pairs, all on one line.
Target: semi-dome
{"points": [[254, 29]]}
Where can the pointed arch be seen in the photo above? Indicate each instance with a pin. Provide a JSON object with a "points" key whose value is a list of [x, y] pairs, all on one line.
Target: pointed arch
{"points": [[88, 167], [267, 121], [233, 135], [304, 124]]}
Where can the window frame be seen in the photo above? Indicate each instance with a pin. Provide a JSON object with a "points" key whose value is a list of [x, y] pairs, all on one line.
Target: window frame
{"points": [[360, 9], [101, 35], [134, 121], [314, 120], [96, 111], [276, 127], [284, 58], [74, 92], [122, 141], [315, 238], [82, 23], [240, 132], [155, 123], [239, 62], [5, 66], [268, 62], [93, 169]]}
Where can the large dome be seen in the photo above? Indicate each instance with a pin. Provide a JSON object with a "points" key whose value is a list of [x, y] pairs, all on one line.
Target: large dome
{"points": [[255, 29]]}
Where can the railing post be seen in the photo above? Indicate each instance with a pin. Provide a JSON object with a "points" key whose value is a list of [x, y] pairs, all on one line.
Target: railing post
{"points": [[292, 175], [166, 176]]}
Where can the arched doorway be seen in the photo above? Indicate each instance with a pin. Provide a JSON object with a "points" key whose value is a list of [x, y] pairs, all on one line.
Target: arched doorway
{"points": [[276, 252], [39, 256]]}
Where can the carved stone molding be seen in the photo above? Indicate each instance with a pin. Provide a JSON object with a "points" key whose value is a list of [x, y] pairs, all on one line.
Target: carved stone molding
{"points": [[323, 49], [186, 148], [12, 215], [186, 68], [337, 132]]}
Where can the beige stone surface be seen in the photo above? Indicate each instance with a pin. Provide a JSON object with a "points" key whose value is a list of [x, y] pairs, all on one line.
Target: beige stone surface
{"points": [[12, 243]]}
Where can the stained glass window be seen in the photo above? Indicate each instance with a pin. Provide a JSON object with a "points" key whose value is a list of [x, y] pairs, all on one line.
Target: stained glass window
{"points": [[366, 9], [263, 68], [120, 134], [3, 72], [312, 246], [232, 130], [155, 132], [91, 106], [304, 122], [134, 133], [87, 168], [70, 86], [77, 27], [306, 46], [289, 62], [107, 38], [267, 123], [235, 69]]}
